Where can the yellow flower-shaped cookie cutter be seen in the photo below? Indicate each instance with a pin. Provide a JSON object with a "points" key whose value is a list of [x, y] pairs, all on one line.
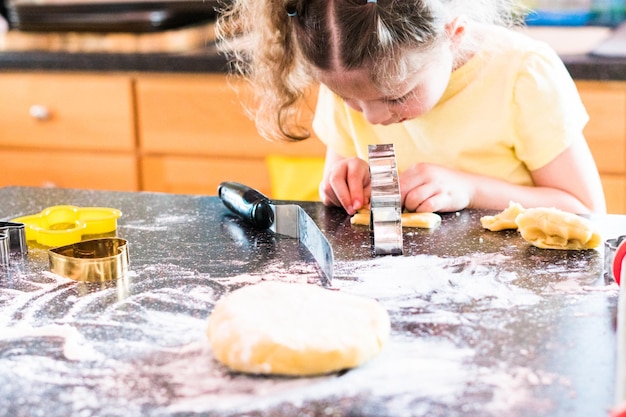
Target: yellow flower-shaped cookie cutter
{"points": [[66, 224]]}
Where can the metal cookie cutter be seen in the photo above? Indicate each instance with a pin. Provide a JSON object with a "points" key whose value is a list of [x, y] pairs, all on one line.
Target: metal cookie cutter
{"points": [[385, 202], [12, 240], [94, 260]]}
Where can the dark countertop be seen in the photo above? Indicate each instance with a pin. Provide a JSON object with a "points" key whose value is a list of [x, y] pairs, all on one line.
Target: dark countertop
{"points": [[587, 67], [207, 60], [482, 323]]}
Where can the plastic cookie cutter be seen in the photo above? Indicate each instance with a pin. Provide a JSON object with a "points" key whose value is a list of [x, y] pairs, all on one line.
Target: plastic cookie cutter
{"points": [[12, 240], [92, 260], [385, 202], [65, 224]]}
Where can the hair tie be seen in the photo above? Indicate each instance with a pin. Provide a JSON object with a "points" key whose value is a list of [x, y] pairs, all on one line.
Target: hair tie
{"points": [[372, 1], [295, 13]]}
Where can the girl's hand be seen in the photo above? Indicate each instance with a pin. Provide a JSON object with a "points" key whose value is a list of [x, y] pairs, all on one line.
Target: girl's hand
{"points": [[429, 187], [346, 183]]}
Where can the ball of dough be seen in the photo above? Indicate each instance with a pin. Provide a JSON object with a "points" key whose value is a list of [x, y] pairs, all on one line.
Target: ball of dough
{"points": [[295, 329]]}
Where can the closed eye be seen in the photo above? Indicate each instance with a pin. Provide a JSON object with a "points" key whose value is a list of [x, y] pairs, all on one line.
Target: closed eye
{"points": [[399, 100]]}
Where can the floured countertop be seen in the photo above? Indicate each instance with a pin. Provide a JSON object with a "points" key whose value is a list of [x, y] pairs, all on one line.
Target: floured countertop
{"points": [[482, 323]]}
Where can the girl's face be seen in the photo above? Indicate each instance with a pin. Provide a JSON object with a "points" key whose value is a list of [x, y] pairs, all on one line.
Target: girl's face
{"points": [[411, 98]]}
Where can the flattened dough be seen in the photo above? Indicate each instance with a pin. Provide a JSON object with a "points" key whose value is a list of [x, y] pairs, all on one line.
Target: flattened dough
{"points": [[295, 329], [550, 228], [421, 220]]}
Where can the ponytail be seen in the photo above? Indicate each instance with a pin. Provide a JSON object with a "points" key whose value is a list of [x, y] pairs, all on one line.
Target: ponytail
{"points": [[257, 36]]}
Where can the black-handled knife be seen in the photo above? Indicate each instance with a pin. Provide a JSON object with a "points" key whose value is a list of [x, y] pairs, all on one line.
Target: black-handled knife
{"points": [[284, 219], [248, 203]]}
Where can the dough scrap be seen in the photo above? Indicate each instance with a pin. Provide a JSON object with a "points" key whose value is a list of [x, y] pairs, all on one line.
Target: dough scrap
{"points": [[361, 217], [546, 227], [295, 329], [503, 220], [550, 228], [409, 219]]}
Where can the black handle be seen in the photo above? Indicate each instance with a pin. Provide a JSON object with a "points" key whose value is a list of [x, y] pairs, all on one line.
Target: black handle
{"points": [[248, 203]]}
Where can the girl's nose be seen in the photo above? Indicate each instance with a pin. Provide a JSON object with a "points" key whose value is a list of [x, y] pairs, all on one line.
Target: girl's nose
{"points": [[376, 113]]}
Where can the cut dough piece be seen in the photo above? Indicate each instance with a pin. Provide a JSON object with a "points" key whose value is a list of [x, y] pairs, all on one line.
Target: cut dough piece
{"points": [[550, 228], [504, 220], [361, 217], [295, 329], [421, 220]]}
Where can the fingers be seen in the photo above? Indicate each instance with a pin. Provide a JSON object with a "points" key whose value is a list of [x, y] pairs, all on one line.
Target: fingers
{"points": [[347, 185], [431, 189], [359, 187], [424, 198], [410, 183]]}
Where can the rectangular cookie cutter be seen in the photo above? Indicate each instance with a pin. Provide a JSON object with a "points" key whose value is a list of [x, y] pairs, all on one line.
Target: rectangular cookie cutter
{"points": [[385, 201], [12, 241], [93, 260]]}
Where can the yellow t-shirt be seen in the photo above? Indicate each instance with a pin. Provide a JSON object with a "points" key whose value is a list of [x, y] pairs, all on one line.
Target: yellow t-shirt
{"points": [[511, 109]]}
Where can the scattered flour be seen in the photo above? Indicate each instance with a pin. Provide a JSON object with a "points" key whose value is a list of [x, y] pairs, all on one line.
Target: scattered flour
{"points": [[138, 346]]}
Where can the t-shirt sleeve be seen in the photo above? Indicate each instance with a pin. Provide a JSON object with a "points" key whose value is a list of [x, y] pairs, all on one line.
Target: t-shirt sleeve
{"points": [[549, 114], [330, 123]]}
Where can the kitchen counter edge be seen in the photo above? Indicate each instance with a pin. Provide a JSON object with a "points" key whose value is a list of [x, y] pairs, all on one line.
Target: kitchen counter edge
{"points": [[581, 67]]}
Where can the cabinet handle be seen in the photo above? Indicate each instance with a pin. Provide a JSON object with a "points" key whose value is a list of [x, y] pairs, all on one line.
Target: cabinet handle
{"points": [[39, 112]]}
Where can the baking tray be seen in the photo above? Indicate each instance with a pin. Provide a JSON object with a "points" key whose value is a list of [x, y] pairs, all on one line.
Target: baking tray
{"points": [[108, 16]]}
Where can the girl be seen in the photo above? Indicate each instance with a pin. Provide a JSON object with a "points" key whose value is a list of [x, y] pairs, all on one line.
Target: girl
{"points": [[478, 113]]}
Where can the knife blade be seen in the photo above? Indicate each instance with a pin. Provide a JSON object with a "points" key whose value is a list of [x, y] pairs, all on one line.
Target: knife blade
{"points": [[284, 219]]}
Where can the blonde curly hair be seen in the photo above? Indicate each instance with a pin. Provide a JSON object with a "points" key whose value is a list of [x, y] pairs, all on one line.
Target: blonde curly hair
{"points": [[278, 45]]}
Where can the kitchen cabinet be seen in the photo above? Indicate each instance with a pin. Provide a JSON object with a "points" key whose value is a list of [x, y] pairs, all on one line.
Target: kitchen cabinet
{"points": [[606, 136], [193, 134], [88, 170], [67, 130], [169, 133], [201, 175], [185, 133]]}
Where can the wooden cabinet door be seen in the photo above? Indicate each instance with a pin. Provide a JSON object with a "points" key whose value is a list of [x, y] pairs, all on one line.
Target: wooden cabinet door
{"points": [[86, 170], [606, 130], [66, 111], [202, 115], [615, 192], [193, 134], [606, 136], [201, 175]]}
